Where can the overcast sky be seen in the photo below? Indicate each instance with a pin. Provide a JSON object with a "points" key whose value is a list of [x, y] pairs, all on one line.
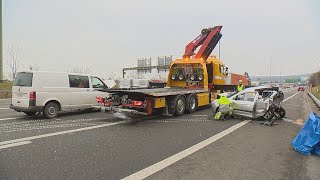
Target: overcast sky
{"points": [[106, 35]]}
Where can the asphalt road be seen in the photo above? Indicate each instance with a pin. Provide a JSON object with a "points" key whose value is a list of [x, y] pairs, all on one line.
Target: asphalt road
{"points": [[114, 146]]}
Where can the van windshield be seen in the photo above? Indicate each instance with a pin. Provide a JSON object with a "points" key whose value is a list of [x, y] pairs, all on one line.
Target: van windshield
{"points": [[23, 79]]}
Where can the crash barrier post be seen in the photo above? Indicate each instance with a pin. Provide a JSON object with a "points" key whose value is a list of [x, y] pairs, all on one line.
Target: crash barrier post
{"points": [[5, 94]]}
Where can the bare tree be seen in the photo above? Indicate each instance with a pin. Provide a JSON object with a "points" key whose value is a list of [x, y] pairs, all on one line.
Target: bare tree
{"points": [[135, 75], [34, 67], [112, 76], [13, 57], [315, 79], [83, 70]]}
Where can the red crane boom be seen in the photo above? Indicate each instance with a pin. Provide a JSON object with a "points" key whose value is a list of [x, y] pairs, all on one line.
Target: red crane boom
{"points": [[208, 38]]}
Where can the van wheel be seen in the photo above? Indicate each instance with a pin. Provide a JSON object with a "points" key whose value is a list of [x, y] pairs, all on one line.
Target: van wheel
{"points": [[51, 110], [30, 113], [192, 103]]}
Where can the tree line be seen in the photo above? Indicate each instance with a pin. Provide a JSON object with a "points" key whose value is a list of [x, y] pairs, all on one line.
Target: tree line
{"points": [[315, 79]]}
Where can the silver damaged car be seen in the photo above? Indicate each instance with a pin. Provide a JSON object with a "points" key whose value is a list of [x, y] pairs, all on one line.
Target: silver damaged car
{"points": [[256, 102]]}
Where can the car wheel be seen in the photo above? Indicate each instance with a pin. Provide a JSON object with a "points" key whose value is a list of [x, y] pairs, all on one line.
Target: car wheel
{"points": [[268, 115], [51, 110], [192, 103], [180, 105], [30, 113], [282, 112]]}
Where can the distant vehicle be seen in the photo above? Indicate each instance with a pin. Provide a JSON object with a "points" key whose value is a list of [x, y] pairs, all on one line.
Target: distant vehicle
{"points": [[300, 88], [51, 92], [256, 102]]}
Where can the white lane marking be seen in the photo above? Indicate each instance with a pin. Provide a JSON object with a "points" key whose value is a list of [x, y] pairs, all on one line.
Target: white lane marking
{"points": [[288, 120], [199, 115], [170, 160], [291, 97], [15, 144], [4, 108], [8, 99], [305, 97], [60, 133], [5, 119]]}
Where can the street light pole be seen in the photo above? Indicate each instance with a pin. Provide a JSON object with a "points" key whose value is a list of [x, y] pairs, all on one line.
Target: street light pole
{"points": [[270, 70], [1, 56]]}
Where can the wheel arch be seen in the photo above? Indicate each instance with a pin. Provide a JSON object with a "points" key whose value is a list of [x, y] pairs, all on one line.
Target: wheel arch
{"points": [[54, 101]]}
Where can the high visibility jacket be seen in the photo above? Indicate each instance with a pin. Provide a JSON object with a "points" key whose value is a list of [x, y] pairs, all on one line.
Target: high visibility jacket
{"points": [[240, 88], [223, 100]]}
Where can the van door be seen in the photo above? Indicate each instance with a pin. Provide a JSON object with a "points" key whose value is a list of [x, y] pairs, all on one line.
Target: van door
{"points": [[98, 86], [22, 86], [79, 92]]}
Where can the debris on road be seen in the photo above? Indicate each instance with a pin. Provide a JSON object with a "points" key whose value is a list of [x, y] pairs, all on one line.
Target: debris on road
{"points": [[299, 122]]}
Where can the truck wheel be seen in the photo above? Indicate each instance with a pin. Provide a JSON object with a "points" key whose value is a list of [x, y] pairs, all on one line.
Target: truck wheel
{"points": [[180, 105], [192, 103], [51, 110]]}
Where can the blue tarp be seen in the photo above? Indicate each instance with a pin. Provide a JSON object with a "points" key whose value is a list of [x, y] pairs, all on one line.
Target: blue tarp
{"points": [[308, 139]]}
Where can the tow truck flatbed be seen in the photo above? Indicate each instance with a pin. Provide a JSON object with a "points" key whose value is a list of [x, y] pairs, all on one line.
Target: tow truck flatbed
{"points": [[159, 92]]}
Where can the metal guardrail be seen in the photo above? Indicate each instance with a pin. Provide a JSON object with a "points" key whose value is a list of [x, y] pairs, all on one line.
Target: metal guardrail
{"points": [[314, 98]]}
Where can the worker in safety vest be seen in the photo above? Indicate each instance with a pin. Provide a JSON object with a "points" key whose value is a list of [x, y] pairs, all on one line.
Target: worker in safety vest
{"points": [[240, 86], [224, 108]]}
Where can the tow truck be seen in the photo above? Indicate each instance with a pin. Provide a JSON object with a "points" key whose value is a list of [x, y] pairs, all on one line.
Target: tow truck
{"points": [[193, 81]]}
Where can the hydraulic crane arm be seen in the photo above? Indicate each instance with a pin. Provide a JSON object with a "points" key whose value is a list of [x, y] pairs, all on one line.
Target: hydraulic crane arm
{"points": [[208, 38]]}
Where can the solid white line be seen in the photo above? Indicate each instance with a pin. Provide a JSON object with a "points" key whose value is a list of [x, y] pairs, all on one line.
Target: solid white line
{"points": [[305, 97], [291, 97], [288, 120], [170, 160], [8, 99], [60, 133], [4, 108], [15, 144], [5, 119]]}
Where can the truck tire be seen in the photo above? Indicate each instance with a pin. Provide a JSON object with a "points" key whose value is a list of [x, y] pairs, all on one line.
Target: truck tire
{"points": [[176, 105], [51, 110], [192, 103], [180, 105]]}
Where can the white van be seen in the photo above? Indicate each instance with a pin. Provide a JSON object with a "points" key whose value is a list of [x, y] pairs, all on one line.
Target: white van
{"points": [[51, 92]]}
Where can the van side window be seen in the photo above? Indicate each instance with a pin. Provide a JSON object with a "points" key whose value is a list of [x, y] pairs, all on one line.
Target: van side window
{"points": [[97, 83], [78, 81]]}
